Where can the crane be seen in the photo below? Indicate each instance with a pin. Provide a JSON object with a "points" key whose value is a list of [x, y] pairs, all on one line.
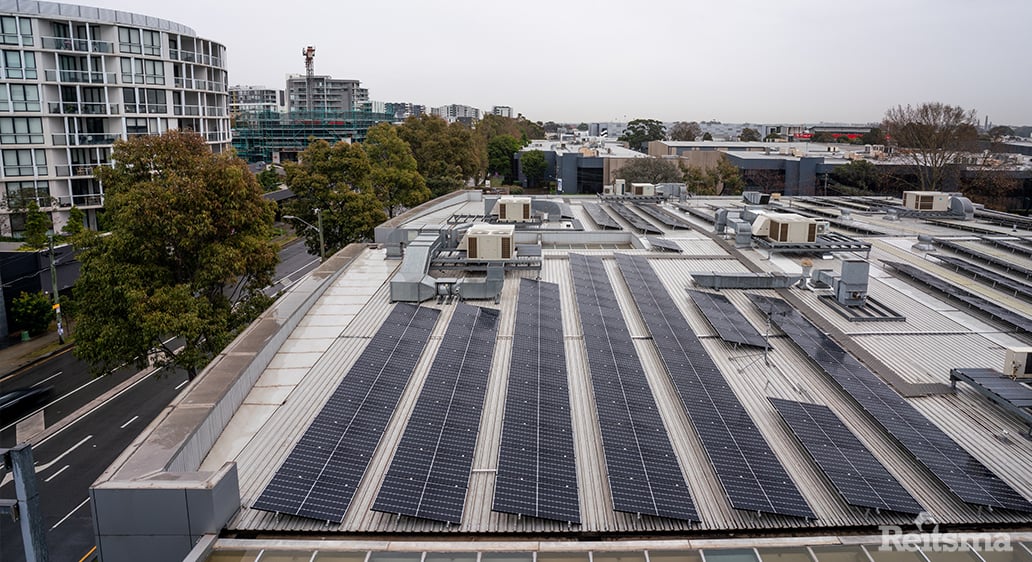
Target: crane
{"points": [[309, 54]]}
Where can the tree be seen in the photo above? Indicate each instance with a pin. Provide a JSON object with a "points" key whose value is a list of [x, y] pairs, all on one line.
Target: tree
{"points": [[749, 135], [32, 312], [37, 223], [446, 154], [931, 137], [500, 151], [534, 166], [640, 131], [874, 136], [394, 175], [998, 132], [682, 131], [726, 177], [582, 127], [650, 170], [860, 174], [707, 137], [187, 257], [336, 180], [269, 179], [76, 222], [822, 136]]}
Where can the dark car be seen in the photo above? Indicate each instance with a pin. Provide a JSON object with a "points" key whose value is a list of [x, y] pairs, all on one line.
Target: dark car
{"points": [[23, 398]]}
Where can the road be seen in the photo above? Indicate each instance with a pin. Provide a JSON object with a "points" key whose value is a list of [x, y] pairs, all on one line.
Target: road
{"points": [[69, 461]]}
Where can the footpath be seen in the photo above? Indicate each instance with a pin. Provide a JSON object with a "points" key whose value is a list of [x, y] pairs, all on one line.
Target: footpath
{"points": [[21, 354]]}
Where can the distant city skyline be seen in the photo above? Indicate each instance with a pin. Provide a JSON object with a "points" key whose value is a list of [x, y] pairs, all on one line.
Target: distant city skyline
{"points": [[796, 61]]}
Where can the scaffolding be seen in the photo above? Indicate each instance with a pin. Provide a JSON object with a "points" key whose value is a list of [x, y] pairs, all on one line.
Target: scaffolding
{"points": [[275, 136]]}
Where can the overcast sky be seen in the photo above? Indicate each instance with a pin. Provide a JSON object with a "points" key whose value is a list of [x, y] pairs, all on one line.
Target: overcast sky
{"points": [[759, 61]]}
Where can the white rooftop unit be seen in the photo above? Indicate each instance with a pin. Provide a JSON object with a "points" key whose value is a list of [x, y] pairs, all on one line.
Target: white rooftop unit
{"points": [[514, 209], [936, 201], [643, 189], [785, 227], [1018, 364], [489, 241]]}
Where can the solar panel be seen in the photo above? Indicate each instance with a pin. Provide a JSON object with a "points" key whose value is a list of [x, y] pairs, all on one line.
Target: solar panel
{"points": [[851, 467], [726, 320], [955, 292], [987, 276], [600, 217], [664, 216], [751, 475], [636, 221], [644, 476], [429, 474], [665, 244], [537, 475], [1013, 247], [998, 385], [1006, 264], [319, 477], [949, 462]]}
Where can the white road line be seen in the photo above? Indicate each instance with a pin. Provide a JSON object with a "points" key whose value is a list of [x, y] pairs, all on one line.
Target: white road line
{"points": [[54, 475], [128, 422], [65, 518], [182, 384], [64, 454], [46, 379]]}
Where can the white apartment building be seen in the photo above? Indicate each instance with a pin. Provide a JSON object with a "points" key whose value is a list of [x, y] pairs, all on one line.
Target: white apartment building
{"points": [[251, 99], [74, 79], [328, 95]]}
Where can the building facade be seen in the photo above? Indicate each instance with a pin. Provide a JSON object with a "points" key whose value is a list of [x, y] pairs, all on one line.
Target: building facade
{"points": [[502, 111], [457, 112], [250, 99], [328, 95], [74, 80]]}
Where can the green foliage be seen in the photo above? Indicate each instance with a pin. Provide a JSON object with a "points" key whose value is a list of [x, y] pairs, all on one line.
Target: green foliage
{"points": [[37, 223], [534, 166], [749, 135], [640, 131], [269, 179], [31, 312], [337, 180], [582, 127], [188, 230], [1000, 131], [447, 155], [494, 125], [860, 174], [699, 181], [874, 136], [650, 170], [822, 136], [707, 137], [500, 151], [76, 222], [394, 173], [726, 177], [682, 131]]}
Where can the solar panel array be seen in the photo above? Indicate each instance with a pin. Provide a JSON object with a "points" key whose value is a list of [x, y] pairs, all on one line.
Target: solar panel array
{"points": [[319, 477], [537, 475], [429, 474], [949, 462], [973, 300], [636, 221], [726, 320], [665, 244], [600, 217], [987, 276], [851, 467], [1013, 247], [998, 385], [749, 472], [664, 216], [1007, 264], [644, 475]]}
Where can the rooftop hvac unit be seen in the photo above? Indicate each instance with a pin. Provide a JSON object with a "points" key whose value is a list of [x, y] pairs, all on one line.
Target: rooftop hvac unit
{"points": [[1018, 363]]}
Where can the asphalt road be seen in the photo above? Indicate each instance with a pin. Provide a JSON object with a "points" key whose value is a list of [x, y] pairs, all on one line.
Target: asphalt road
{"points": [[69, 461]]}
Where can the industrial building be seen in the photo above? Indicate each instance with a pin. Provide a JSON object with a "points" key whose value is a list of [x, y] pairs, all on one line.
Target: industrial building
{"points": [[78, 78], [755, 378]]}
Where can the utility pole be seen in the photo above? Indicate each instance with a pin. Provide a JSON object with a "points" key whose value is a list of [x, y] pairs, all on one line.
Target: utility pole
{"points": [[26, 509], [322, 241], [57, 297]]}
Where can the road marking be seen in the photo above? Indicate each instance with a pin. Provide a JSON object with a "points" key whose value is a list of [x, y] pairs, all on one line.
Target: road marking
{"points": [[64, 454], [182, 384], [46, 379], [54, 475], [92, 550], [27, 367], [128, 422], [65, 518]]}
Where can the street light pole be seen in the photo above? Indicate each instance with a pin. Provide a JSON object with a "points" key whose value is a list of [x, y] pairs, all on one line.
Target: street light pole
{"points": [[57, 297], [318, 215]]}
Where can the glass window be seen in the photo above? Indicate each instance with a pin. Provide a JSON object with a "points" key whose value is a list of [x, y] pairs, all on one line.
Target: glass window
{"points": [[154, 71], [26, 31], [4, 98], [25, 97], [152, 43], [21, 130], [135, 126], [14, 67], [129, 40], [9, 30], [19, 193], [20, 162], [132, 71]]}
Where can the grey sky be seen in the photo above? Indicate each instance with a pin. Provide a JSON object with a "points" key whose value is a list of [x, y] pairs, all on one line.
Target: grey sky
{"points": [[732, 60]]}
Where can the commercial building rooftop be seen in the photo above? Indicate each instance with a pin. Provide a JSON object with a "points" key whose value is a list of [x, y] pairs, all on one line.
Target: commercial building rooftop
{"points": [[233, 429]]}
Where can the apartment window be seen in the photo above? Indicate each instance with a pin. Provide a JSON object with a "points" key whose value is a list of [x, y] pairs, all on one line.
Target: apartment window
{"points": [[19, 65], [15, 31], [152, 43], [21, 130], [129, 40], [145, 100], [138, 126], [154, 72], [19, 193], [143, 71], [25, 162], [25, 97], [132, 71]]}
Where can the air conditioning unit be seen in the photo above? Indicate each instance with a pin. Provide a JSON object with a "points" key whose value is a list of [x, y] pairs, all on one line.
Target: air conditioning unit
{"points": [[1018, 363]]}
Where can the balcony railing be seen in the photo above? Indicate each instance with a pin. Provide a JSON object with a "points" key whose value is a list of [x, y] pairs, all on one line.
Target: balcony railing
{"points": [[83, 139], [73, 108], [78, 170], [93, 200], [146, 108], [193, 84], [81, 76], [190, 56], [80, 45]]}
